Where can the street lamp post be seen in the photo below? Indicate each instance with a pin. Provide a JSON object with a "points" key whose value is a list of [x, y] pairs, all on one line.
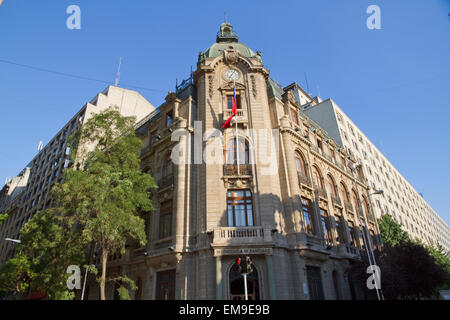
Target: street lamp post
{"points": [[13, 240], [366, 238], [84, 282]]}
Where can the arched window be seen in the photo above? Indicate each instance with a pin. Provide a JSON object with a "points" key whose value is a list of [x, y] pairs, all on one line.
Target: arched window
{"points": [[167, 168], [355, 201], [331, 186], [235, 151], [300, 165], [316, 178], [344, 193]]}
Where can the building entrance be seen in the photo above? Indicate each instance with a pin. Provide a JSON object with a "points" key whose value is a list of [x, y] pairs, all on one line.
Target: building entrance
{"points": [[237, 291]]}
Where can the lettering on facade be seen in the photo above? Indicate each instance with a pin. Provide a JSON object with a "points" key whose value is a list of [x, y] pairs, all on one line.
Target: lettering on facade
{"points": [[242, 251]]}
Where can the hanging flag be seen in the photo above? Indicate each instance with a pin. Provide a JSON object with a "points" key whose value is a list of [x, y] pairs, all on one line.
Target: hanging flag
{"points": [[227, 123]]}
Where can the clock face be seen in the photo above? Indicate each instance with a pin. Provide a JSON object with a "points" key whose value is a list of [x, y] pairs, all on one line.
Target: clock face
{"points": [[231, 75]]}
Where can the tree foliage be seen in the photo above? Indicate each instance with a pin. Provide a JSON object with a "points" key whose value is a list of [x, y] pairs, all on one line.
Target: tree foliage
{"points": [[16, 275], [391, 232], [409, 270], [49, 244], [107, 190], [3, 217]]}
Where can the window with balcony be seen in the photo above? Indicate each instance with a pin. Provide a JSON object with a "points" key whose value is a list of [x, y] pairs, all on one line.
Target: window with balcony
{"points": [[325, 223], [307, 215], [230, 102], [339, 230], [237, 152], [240, 208], [352, 232]]}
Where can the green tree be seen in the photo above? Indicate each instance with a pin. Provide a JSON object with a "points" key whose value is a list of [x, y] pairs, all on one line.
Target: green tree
{"points": [[49, 244], [442, 259], [3, 217], [16, 275], [391, 232], [107, 190], [408, 271]]}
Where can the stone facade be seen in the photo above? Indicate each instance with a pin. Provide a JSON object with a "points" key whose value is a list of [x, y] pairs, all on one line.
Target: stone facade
{"points": [[209, 214]]}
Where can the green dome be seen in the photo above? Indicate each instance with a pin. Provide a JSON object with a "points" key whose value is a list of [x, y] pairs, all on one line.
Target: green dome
{"points": [[227, 39], [217, 48]]}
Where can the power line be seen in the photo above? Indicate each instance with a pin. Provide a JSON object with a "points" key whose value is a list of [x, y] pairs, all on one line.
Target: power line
{"points": [[72, 75]]}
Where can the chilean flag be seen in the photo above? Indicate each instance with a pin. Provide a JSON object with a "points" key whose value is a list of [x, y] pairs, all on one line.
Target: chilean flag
{"points": [[233, 109]]}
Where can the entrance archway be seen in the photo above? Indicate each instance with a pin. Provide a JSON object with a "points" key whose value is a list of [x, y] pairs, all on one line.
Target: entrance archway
{"points": [[237, 289]]}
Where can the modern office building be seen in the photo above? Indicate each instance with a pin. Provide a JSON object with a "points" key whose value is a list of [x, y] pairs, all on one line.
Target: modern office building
{"points": [[290, 208], [399, 198], [29, 192]]}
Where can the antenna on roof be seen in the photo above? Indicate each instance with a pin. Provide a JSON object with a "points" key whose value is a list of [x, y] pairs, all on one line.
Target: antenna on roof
{"points": [[118, 73], [40, 146], [225, 14], [307, 85]]}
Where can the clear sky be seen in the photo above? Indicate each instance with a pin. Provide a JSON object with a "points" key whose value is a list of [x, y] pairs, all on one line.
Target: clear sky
{"points": [[394, 83]]}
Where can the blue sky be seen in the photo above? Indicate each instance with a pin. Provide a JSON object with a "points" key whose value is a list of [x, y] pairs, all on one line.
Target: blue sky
{"points": [[394, 83]]}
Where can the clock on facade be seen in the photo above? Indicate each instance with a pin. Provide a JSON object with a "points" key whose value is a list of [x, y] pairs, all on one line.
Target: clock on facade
{"points": [[231, 75]]}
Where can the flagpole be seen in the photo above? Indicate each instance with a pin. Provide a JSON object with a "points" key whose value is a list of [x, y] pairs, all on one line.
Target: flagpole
{"points": [[235, 119]]}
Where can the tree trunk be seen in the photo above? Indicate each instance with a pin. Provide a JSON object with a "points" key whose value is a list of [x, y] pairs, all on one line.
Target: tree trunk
{"points": [[103, 279]]}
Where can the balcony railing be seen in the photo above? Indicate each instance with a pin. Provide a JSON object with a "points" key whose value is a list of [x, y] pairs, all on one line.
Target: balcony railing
{"points": [[336, 200], [165, 182], [232, 170], [322, 192], [241, 235], [348, 206], [241, 115], [304, 180]]}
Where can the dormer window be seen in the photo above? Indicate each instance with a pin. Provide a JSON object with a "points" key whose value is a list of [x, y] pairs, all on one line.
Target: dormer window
{"points": [[169, 118], [294, 117]]}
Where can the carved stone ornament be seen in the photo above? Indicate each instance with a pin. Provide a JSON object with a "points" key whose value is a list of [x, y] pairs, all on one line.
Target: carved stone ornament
{"points": [[231, 57], [237, 183], [211, 86], [254, 89]]}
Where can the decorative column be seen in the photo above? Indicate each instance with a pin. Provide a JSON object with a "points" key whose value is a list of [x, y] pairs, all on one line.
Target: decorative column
{"points": [[271, 276], [219, 285]]}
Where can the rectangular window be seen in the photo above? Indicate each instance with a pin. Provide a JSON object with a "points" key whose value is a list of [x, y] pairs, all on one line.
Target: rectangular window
{"points": [[230, 102], [165, 285], [169, 118], [153, 137], [351, 230], [294, 116], [325, 222], [165, 220], [314, 283], [240, 208], [307, 215], [339, 230]]}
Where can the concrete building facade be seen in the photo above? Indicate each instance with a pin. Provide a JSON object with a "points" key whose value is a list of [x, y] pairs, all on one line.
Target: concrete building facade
{"points": [[29, 192], [399, 198]]}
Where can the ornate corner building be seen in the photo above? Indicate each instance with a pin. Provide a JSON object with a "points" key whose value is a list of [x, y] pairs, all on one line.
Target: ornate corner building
{"points": [[295, 215]]}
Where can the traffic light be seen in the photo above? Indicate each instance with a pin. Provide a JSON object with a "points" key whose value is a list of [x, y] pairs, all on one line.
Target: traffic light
{"points": [[238, 264], [244, 265], [248, 265]]}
